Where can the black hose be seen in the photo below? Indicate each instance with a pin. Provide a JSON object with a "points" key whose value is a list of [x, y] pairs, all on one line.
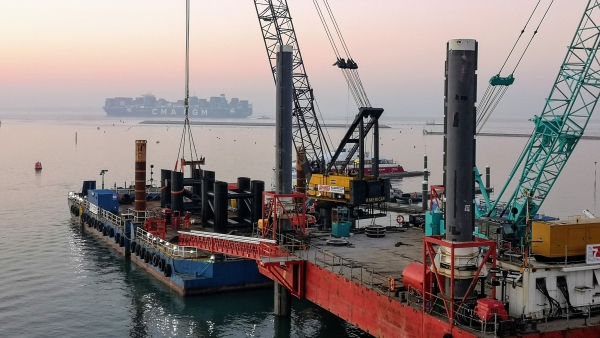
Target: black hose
{"points": [[555, 310], [561, 283]]}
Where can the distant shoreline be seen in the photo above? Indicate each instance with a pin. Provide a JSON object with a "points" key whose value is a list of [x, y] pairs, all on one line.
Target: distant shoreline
{"points": [[429, 132], [242, 124]]}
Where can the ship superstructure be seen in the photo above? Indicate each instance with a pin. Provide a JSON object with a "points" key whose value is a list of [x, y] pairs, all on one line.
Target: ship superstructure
{"points": [[148, 106]]}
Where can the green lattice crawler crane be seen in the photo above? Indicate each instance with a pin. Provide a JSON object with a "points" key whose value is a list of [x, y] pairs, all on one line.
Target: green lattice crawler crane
{"points": [[557, 131]]}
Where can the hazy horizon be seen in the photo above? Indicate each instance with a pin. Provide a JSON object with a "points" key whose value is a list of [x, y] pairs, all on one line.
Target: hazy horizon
{"points": [[65, 55]]}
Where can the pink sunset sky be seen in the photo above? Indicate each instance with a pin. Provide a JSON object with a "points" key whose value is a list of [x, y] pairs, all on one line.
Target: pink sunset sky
{"points": [[74, 54]]}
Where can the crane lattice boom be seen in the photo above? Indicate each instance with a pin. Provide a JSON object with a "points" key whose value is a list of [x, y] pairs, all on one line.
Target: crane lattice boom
{"points": [[277, 29], [566, 114]]}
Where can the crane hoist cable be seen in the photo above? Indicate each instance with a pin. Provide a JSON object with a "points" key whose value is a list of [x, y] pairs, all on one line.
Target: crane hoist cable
{"points": [[483, 103], [349, 80], [187, 130], [352, 70], [325, 131], [498, 85], [344, 62]]}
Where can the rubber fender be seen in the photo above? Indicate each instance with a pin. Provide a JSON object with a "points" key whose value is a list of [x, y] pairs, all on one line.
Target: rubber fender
{"points": [[147, 257], [76, 212], [143, 253], [111, 232], [161, 264], [155, 259], [167, 271], [138, 250], [122, 242], [117, 237], [133, 246], [104, 231]]}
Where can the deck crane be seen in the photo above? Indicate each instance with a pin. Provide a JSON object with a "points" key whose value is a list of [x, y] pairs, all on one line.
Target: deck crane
{"points": [[327, 177], [557, 131]]}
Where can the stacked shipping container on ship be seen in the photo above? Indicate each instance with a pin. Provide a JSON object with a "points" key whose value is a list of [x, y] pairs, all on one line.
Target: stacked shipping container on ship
{"points": [[147, 106]]}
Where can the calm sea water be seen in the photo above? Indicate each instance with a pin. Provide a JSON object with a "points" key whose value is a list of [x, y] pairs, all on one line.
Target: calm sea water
{"points": [[58, 281]]}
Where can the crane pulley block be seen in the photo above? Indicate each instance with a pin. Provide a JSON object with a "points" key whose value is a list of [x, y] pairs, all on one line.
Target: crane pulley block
{"points": [[343, 64], [497, 80]]}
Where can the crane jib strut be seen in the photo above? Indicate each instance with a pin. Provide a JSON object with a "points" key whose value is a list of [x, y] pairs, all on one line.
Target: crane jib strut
{"points": [[331, 187], [277, 29]]}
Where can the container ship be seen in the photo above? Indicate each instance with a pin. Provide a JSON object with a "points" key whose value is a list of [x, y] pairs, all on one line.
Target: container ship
{"points": [[148, 106]]}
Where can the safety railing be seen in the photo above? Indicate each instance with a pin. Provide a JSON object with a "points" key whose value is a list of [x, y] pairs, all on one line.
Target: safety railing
{"points": [[76, 199], [349, 269], [463, 316], [138, 216], [236, 246], [567, 314], [117, 220], [150, 241]]}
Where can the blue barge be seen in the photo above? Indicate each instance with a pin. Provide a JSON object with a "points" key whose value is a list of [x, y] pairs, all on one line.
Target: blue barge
{"points": [[185, 269]]}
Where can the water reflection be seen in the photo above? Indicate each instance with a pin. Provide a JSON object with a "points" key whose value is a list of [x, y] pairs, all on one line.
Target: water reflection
{"points": [[153, 309]]}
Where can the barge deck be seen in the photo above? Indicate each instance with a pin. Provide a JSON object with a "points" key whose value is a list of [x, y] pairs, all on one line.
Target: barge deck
{"points": [[186, 270]]}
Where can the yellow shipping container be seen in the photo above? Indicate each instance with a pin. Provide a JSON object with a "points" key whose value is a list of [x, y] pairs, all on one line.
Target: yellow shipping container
{"points": [[556, 238]]}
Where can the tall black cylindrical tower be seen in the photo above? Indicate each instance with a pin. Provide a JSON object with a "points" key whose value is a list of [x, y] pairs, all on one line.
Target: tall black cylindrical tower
{"points": [[283, 120], [461, 81], [459, 145]]}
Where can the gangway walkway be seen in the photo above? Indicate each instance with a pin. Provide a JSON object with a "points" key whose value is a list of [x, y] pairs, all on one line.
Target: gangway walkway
{"points": [[273, 261]]}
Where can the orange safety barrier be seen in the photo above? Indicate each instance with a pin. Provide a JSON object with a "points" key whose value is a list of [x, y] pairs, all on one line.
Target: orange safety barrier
{"points": [[157, 227]]}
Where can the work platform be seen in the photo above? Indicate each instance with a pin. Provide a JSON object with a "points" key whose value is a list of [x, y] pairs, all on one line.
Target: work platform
{"points": [[361, 283], [370, 262], [381, 257]]}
